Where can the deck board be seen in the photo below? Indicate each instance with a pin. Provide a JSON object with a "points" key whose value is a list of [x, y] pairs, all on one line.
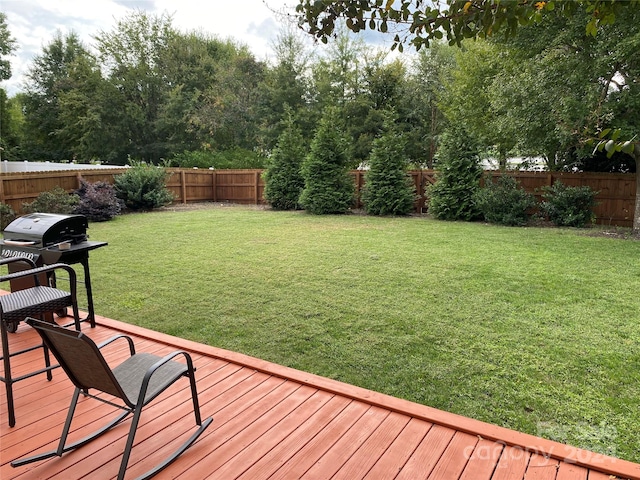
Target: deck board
{"points": [[272, 422]]}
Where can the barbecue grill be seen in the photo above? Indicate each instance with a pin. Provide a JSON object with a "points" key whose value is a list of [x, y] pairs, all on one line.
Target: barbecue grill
{"points": [[45, 239]]}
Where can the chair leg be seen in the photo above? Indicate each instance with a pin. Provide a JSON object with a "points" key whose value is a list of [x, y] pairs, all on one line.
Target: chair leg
{"points": [[76, 315], [194, 396], [130, 438], [47, 362], [6, 357]]}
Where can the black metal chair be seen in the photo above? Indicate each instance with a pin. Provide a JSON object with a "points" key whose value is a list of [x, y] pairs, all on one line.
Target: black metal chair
{"points": [[34, 301], [136, 381]]}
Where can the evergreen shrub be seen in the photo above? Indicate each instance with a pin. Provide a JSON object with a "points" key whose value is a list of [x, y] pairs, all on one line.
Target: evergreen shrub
{"points": [[452, 196], [504, 202], [53, 201], [388, 188], [283, 179], [568, 206], [143, 187], [328, 187]]}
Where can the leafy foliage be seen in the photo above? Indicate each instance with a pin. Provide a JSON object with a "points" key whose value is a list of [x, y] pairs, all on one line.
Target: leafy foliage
{"points": [[388, 189], [7, 46], [504, 202], [54, 201], [233, 158], [452, 197], [328, 188], [568, 206], [283, 180], [98, 201], [56, 118], [7, 215], [143, 187], [419, 22]]}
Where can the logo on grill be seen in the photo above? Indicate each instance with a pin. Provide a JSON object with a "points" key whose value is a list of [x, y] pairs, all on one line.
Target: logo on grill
{"points": [[9, 252]]}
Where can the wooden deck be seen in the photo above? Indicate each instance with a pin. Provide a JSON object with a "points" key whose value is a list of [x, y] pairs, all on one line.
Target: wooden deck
{"points": [[272, 422]]}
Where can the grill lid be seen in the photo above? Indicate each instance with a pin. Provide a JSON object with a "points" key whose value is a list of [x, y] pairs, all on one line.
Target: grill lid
{"points": [[45, 229]]}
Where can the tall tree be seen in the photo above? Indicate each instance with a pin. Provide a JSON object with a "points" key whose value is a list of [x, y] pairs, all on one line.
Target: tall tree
{"points": [[12, 126], [7, 47], [49, 80], [382, 88], [286, 86], [425, 120], [230, 105], [212, 95], [466, 98], [133, 56]]}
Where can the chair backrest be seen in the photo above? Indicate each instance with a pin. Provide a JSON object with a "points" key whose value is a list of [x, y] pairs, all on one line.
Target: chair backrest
{"points": [[79, 357]]}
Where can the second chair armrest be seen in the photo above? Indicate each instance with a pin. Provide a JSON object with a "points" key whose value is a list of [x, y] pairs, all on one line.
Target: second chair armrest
{"points": [[132, 348], [6, 260], [47, 268]]}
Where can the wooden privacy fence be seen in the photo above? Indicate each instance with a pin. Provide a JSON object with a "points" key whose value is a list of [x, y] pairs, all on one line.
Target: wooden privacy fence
{"points": [[616, 191]]}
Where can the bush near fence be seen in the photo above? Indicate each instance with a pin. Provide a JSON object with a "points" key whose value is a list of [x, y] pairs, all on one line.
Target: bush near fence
{"points": [[616, 191]]}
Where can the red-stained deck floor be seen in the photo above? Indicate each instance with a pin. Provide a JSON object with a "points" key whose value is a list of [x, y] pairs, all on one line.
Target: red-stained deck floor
{"points": [[272, 422]]}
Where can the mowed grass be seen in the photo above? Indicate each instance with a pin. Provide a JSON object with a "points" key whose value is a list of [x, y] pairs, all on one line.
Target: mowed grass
{"points": [[533, 329]]}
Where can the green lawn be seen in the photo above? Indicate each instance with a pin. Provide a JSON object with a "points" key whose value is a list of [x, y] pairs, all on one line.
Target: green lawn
{"points": [[532, 329]]}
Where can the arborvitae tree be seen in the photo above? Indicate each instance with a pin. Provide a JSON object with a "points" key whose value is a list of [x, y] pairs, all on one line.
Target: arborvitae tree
{"points": [[328, 187], [283, 179], [458, 174], [388, 188]]}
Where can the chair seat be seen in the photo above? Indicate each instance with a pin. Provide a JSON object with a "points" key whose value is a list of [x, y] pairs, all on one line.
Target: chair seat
{"points": [[131, 372], [32, 302]]}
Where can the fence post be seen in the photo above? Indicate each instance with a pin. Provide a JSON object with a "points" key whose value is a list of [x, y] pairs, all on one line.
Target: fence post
{"points": [[214, 183], [420, 191], [257, 188], [183, 186], [2, 199]]}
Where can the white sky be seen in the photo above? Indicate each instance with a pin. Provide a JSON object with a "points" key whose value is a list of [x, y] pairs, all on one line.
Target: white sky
{"points": [[34, 23]]}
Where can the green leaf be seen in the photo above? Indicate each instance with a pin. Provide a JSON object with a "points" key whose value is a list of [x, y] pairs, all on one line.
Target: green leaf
{"points": [[628, 147], [604, 133]]}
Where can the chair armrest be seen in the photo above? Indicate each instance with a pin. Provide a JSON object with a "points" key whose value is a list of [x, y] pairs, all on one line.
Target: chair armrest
{"points": [[164, 360], [47, 268], [6, 260], [132, 348]]}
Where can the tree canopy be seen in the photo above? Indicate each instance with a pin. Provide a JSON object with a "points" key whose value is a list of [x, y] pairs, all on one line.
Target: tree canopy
{"points": [[419, 22]]}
